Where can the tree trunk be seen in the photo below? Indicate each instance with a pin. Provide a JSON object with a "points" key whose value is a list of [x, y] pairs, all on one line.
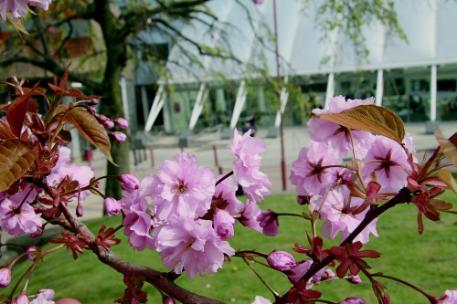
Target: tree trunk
{"points": [[111, 103]]}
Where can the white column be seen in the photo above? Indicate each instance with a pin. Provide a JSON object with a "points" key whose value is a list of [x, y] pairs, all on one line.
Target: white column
{"points": [[157, 105], [198, 106], [125, 100], [330, 89], [379, 87], [433, 94], [283, 98], [239, 104]]}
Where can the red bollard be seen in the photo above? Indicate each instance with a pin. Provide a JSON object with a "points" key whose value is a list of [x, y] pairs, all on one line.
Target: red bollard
{"points": [[89, 156]]}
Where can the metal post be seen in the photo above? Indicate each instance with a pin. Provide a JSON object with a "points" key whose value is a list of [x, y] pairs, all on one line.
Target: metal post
{"points": [[433, 94], [151, 156], [216, 160], [278, 78], [379, 87]]}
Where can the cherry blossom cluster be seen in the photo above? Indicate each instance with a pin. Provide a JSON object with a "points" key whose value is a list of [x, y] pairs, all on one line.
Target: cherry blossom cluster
{"points": [[187, 214]]}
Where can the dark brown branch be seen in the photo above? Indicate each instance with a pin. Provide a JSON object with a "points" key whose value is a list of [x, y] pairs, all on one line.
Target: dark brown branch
{"points": [[402, 197], [160, 280]]}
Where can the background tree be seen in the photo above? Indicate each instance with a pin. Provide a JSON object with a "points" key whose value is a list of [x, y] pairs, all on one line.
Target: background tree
{"points": [[45, 49]]}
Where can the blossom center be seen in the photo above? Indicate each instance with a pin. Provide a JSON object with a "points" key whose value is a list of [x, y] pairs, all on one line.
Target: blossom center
{"points": [[181, 187]]}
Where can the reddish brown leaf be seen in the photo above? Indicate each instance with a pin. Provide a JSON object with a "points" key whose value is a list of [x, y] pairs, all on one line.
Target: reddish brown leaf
{"points": [[370, 118], [15, 159], [5, 130], [91, 130], [16, 113], [446, 177]]}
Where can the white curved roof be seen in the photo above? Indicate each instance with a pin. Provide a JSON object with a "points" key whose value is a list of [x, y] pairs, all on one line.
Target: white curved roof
{"points": [[429, 25]]}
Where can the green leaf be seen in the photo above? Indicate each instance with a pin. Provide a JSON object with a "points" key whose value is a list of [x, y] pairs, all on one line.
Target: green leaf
{"points": [[16, 158], [91, 130], [370, 118]]}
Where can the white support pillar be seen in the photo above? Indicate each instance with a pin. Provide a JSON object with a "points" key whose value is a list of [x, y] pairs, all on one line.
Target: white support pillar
{"points": [[198, 106], [125, 100], [330, 89], [157, 105], [239, 104], [433, 92], [283, 97], [379, 87]]}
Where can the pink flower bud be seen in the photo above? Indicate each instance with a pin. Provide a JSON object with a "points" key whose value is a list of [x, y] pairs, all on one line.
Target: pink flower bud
{"points": [[22, 299], [129, 182], [5, 276], [223, 224], [108, 123], [268, 220], [119, 136], [121, 123], [354, 279], [168, 300], [353, 300], [93, 101], [281, 260], [32, 251], [112, 206]]}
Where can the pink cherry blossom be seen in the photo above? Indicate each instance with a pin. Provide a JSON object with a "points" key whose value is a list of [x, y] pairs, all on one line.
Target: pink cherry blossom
{"points": [[388, 161], [44, 296], [119, 136], [128, 182], [450, 297], [18, 218], [182, 188], [191, 245], [309, 173], [268, 220], [18, 8], [326, 131], [247, 150], [138, 223], [336, 210], [223, 224], [226, 191], [249, 216], [65, 168], [121, 123]]}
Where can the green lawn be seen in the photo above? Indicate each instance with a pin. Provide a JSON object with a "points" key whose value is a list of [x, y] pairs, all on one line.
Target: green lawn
{"points": [[428, 261]]}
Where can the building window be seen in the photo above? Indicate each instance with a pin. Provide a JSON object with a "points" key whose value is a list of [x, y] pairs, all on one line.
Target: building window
{"points": [[447, 85]]}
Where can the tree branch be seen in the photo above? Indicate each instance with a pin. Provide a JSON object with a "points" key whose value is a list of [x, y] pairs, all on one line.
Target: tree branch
{"points": [[160, 280], [402, 197]]}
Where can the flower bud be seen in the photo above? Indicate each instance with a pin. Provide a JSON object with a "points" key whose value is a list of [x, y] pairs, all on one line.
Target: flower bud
{"points": [[108, 123], [223, 224], [122, 123], [112, 206], [22, 299], [353, 300], [32, 251], [129, 182], [268, 220], [119, 136], [281, 260], [168, 300], [303, 199], [5, 276], [354, 279]]}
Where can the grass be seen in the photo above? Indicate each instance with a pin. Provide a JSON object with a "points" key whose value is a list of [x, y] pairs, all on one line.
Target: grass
{"points": [[427, 260]]}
